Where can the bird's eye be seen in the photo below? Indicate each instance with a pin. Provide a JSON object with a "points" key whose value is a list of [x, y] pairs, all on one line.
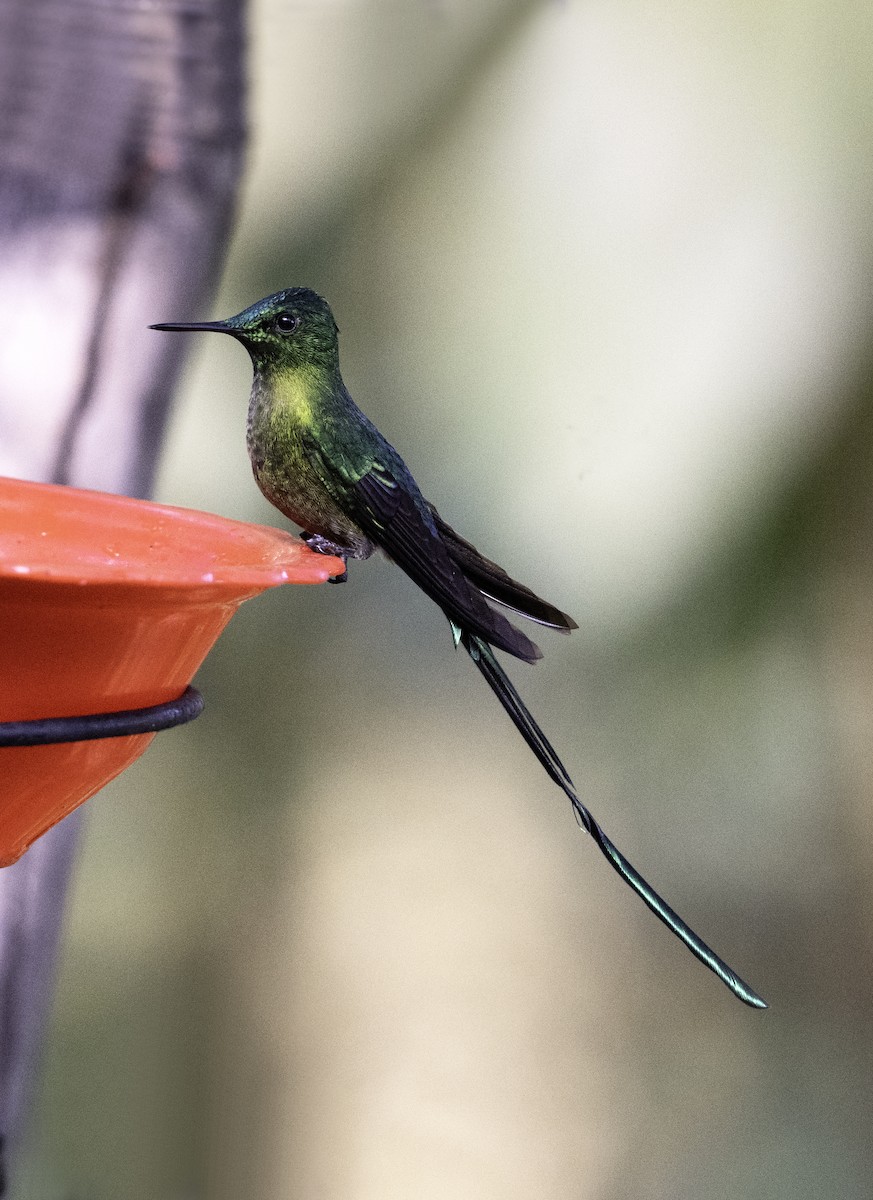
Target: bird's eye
{"points": [[287, 323]]}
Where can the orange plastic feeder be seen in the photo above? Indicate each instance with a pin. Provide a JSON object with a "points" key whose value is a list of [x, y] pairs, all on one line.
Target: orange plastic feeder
{"points": [[109, 604]]}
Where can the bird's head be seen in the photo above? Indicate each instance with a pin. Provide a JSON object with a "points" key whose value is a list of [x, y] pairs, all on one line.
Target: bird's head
{"points": [[293, 328]]}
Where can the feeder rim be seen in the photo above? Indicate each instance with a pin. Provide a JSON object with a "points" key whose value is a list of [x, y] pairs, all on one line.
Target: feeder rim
{"points": [[228, 554]]}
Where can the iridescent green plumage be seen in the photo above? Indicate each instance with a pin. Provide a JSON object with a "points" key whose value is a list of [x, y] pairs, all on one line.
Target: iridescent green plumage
{"points": [[322, 463]]}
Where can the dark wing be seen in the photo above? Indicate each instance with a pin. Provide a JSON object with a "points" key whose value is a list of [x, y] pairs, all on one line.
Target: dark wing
{"points": [[386, 511], [386, 505], [491, 579]]}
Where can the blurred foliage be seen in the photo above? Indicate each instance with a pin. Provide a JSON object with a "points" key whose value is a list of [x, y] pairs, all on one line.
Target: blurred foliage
{"points": [[602, 275]]}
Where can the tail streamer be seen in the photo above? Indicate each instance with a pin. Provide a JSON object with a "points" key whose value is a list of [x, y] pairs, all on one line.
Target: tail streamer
{"points": [[503, 688]]}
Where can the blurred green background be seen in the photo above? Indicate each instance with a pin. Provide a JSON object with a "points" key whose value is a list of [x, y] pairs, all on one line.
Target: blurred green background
{"points": [[602, 273]]}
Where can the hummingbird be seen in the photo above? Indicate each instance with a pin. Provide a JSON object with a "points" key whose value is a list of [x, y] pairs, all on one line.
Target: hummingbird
{"points": [[323, 464]]}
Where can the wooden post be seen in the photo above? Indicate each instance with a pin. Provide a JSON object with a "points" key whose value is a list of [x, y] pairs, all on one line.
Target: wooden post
{"points": [[121, 138]]}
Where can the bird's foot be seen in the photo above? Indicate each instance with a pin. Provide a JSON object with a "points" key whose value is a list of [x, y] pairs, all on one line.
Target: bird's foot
{"points": [[323, 545]]}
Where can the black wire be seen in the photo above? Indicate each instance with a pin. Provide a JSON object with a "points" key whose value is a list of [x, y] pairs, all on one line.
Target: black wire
{"points": [[49, 731]]}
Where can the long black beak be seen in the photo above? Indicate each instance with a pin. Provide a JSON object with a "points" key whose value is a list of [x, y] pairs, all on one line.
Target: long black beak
{"points": [[197, 327]]}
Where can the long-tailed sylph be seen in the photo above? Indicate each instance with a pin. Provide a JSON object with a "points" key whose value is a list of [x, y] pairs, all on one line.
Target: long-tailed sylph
{"points": [[322, 463]]}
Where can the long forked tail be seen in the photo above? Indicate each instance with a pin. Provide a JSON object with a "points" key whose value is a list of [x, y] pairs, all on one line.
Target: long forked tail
{"points": [[483, 656]]}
